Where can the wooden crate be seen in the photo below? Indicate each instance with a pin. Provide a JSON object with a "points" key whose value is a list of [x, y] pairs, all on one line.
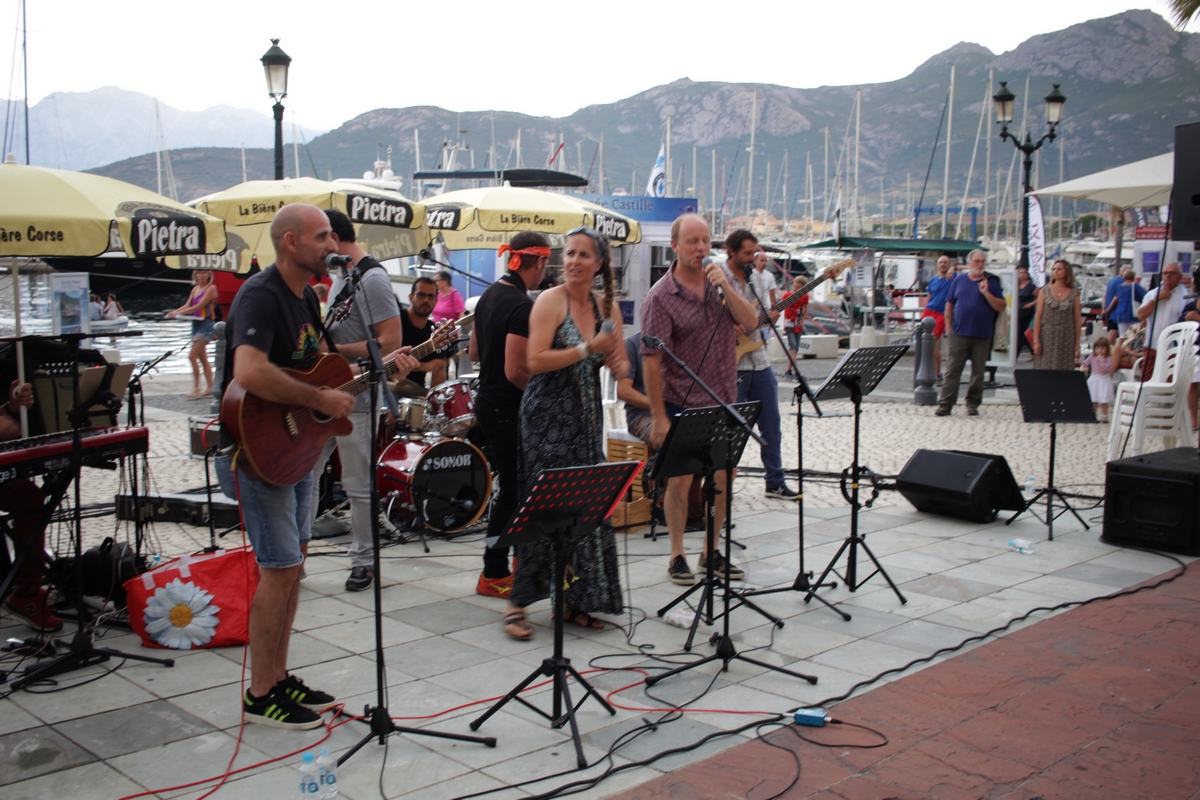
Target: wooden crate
{"points": [[623, 450], [629, 516]]}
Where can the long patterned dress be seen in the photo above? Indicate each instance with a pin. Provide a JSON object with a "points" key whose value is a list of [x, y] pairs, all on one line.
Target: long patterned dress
{"points": [[1058, 332], [562, 426]]}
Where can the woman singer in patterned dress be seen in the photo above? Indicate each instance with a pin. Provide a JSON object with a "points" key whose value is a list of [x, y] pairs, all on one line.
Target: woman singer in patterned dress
{"points": [[562, 426], [1057, 322]]}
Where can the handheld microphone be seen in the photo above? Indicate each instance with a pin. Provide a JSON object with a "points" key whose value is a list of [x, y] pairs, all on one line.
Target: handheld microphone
{"points": [[607, 326], [705, 263], [334, 260]]}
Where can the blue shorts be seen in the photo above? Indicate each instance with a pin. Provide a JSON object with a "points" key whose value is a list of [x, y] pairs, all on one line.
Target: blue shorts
{"points": [[202, 330], [278, 520], [793, 337]]}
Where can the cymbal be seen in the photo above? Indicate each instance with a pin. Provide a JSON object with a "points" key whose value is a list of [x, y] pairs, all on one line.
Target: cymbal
{"points": [[406, 388]]}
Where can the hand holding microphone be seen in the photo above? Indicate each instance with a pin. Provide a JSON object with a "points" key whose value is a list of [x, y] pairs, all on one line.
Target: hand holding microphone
{"points": [[603, 341], [714, 274]]}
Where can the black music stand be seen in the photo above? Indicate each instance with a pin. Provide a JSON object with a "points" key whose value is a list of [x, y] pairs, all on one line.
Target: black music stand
{"points": [[803, 582], [564, 502], [855, 376], [1054, 396], [697, 441]]}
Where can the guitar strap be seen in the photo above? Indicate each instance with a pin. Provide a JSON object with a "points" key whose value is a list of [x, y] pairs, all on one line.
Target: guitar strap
{"points": [[325, 335]]}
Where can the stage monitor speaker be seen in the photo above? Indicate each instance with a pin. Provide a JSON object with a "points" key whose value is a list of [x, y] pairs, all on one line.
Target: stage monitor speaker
{"points": [[956, 483], [1185, 197], [1153, 501]]}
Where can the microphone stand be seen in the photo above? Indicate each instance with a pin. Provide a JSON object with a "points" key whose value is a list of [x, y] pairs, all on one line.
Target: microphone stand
{"points": [[425, 256], [802, 582], [378, 719]]}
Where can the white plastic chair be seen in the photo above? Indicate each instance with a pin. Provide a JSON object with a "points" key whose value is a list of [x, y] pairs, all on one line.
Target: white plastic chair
{"points": [[1156, 407], [614, 409]]}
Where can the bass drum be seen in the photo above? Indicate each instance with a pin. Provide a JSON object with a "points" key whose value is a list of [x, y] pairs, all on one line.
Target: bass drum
{"points": [[444, 483]]}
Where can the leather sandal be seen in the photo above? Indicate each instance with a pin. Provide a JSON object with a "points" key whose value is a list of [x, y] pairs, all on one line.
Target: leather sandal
{"points": [[584, 620], [516, 626]]}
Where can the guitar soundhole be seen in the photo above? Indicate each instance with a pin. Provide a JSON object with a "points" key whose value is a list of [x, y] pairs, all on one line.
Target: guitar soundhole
{"points": [[321, 418]]}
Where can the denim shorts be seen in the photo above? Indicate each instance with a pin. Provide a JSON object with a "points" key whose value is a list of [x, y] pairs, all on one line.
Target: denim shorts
{"points": [[278, 520], [793, 337], [202, 330]]}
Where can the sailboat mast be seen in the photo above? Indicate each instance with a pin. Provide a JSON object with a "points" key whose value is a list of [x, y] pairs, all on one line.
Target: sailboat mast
{"points": [[243, 162], [949, 134], [857, 142], [971, 170], [753, 129], [601, 175], [667, 161], [825, 186]]}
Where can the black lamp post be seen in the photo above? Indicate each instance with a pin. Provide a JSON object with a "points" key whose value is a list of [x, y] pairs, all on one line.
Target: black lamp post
{"points": [[275, 63], [1004, 100]]}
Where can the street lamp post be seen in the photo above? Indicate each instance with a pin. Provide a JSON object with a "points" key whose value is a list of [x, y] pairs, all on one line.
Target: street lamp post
{"points": [[275, 63], [1004, 101]]}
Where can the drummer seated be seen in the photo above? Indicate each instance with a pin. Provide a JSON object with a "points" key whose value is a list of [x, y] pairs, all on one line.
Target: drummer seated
{"points": [[632, 392], [416, 327]]}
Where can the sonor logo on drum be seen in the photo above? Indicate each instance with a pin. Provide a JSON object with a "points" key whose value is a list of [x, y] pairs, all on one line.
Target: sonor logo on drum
{"points": [[449, 462]]}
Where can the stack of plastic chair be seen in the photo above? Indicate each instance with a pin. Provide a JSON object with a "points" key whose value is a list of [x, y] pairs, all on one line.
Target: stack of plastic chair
{"points": [[1156, 407]]}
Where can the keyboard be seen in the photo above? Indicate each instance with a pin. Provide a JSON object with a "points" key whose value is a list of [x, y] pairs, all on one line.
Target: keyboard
{"points": [[39, 455]]}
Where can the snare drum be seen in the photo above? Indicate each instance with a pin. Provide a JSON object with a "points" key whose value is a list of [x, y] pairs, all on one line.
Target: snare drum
{"points": [[454, 406], [445, 483]]}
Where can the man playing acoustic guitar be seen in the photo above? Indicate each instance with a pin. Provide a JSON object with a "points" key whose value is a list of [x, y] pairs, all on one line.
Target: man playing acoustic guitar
{"points": [[272, 327]]}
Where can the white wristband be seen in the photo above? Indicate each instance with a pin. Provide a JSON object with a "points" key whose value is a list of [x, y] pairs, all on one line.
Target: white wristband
{"points": [[584, 350]]}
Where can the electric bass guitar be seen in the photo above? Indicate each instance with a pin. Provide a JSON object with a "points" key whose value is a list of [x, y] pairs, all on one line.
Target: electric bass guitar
{"points": [[747, 345], [279, 443]]}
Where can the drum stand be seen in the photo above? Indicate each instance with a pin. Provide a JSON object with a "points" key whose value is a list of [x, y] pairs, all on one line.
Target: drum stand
{"points": [[377, 718]]}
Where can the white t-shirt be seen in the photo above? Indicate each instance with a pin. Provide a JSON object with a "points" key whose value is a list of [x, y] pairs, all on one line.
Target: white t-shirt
{"points": [[1165, 313], [764, 284]]}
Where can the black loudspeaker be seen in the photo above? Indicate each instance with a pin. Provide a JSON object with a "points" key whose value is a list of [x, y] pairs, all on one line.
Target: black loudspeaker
{"points": [[1153, 501], [971, 486], [1185, 198]]}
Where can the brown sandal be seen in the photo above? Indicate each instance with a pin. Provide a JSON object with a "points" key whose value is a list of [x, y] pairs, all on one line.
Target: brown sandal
{"points": [[516, 626], [585, 620]]}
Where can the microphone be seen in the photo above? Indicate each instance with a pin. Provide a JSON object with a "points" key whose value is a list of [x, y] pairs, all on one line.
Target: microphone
{"points": [[652, 341], [334, 260], [706, 262], [607, 326]]}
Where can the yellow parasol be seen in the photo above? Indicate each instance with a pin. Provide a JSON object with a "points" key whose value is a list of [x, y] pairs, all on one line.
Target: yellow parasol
{"points": [[52, 212], [486, 218], [387, 223]]}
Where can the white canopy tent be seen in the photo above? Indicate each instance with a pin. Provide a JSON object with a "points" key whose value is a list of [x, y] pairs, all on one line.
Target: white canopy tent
{"points": [[1142, 183]]}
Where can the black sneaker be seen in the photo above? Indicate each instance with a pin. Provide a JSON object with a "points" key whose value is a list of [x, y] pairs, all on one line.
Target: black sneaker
{"points": [[360, 579], [721, 566], [311, 699], [972, 412], [280, 711], [942, 412], [678, 572], [781, 493]]}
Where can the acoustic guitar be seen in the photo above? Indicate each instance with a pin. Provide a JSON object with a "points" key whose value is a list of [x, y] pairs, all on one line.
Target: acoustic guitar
{"points": [[279, 443], [747, 345]]}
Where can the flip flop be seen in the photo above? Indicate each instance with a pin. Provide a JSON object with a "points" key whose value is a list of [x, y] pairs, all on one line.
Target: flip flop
{"points": [[588, 621], [522, 630]]}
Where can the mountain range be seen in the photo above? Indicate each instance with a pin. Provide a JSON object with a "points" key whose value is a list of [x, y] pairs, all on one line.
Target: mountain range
{"points": [[1129, 79]]}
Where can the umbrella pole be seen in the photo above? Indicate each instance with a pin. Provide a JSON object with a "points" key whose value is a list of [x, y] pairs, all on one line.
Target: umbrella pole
{"points": [[15, 272]]}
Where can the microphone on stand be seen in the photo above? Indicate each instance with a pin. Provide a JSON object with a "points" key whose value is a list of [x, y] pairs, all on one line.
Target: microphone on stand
{"points": [[334, 260], [652, 341]]}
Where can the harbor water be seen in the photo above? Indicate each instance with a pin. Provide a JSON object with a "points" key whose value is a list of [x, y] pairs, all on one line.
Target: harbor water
{"points": [[146, 310]]}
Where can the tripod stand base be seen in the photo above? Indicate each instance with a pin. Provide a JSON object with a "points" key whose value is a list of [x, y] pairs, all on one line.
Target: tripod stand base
{"points": [[852, 543], [559, 669], [78, 658], [725, 653], [382, 726], [803, 584]]}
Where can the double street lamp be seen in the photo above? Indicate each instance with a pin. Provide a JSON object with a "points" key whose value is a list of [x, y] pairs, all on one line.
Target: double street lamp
{"points": [[1005, 100], [275, 63]]}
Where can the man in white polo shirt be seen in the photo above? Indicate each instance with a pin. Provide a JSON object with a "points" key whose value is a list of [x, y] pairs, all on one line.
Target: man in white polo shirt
{"points": [[1160, 309]]}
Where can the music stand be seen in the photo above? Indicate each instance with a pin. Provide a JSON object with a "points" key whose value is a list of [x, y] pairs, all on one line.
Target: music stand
{"points": [[855, 376], [1054, 396], [564, 502], [697, 441]]}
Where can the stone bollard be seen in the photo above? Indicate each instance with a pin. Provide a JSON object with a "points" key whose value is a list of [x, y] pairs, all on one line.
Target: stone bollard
{"points": [[917, 337], [218, 368], [925, 394]]}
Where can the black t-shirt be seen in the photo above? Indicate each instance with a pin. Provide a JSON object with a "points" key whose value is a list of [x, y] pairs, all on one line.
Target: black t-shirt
{"points": [[267, 316], [411, 336], [502, 309]]}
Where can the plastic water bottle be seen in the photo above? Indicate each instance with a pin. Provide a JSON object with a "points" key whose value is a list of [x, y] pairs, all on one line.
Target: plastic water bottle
{"points": [[1021, 545], [310, 785], [1030, 489], [327, 773]]}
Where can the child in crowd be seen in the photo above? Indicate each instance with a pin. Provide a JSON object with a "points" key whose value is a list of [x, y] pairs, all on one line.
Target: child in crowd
{"points": [[1100, 372]]}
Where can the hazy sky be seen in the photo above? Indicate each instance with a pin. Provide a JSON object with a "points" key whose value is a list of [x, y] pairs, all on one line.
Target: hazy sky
{"points": [[533, 56]]}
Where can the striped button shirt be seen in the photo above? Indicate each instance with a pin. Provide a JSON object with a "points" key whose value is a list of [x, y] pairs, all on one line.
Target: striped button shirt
{"points": [[700, 331]]}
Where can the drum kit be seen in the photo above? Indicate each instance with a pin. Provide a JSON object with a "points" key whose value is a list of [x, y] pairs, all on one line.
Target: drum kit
{"points": [[429, 479]]}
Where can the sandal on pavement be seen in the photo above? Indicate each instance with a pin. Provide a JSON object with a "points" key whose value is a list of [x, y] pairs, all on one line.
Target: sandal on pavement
{"points": [[584, 620], [516, 626]]}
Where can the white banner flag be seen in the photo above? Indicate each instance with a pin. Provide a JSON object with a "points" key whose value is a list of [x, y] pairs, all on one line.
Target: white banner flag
{"points": [[657, 185], [1037, 243]]}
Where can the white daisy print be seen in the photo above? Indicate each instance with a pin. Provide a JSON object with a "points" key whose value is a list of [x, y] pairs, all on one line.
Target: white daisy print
{"points": [[181, 616]]}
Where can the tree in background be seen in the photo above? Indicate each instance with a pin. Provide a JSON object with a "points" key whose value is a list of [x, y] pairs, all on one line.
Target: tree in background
{"points": [[1183, 11]]}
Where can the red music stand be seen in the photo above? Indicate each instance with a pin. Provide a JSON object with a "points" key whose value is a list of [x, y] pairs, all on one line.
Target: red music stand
{"points": [[564, 502]]}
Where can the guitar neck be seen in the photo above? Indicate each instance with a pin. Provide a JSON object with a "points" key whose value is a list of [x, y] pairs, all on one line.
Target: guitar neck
{"points": [[437, 340], [792, 298]]}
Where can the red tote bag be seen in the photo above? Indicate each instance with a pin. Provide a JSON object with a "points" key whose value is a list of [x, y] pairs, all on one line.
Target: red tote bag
{"points": [[194, 601]]}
